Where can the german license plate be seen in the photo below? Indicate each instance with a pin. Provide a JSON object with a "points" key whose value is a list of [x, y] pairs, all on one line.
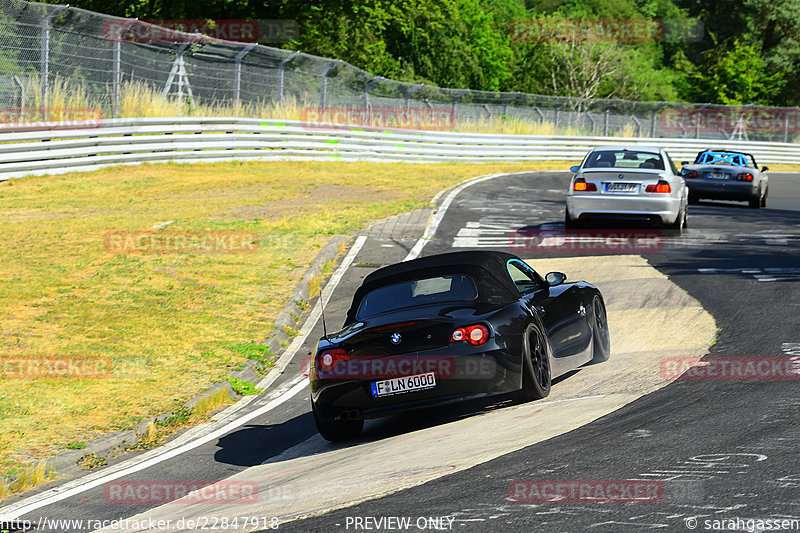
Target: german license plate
{"points": [[717, 176], [621, 187], [388, 387]]}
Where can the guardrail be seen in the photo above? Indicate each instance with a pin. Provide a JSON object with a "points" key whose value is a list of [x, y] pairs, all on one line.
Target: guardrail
{"points": [[59, 147]]}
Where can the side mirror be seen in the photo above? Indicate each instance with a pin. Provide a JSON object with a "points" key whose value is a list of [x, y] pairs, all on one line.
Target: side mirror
{"points": [[555, 278], [764, 169], [574, 169]]}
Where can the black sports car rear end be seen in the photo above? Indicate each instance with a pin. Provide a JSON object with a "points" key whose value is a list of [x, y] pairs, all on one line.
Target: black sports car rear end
{"points": [[447, 328]]}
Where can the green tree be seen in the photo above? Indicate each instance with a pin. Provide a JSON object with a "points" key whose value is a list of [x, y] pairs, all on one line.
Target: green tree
{"points": [[735, 74], [771, 27]]}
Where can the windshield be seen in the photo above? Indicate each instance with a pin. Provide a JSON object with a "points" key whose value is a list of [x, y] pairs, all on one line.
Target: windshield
{"points": [[624, 159], [440, 289]]}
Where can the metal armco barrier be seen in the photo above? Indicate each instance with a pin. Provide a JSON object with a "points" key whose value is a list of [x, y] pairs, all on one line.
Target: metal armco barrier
{"points": [[59, 147]]}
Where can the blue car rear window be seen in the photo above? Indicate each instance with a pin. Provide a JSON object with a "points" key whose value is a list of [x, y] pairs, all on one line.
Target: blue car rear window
{"points": [[440, 289]]}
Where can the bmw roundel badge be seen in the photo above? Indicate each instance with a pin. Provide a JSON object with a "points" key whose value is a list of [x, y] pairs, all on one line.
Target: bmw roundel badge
{"points": [[396, 338]]}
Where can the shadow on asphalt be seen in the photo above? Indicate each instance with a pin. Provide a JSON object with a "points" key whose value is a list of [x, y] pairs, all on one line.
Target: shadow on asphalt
{"points": [[253, 445]]}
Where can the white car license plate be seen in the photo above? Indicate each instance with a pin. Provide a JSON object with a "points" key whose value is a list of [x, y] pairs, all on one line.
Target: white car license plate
{"points": [[387, 387], [717, 176], [621, 187]]}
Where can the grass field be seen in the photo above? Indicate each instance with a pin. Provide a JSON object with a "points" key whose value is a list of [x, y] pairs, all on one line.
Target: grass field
{"points": [[166, 325]]}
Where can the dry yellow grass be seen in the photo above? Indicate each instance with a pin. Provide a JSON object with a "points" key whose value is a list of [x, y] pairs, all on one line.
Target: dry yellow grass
{"points": [[783, 167], [212, 402], [514, 127], [138, 99], [65, 101], [27, 477], [628, 130], [169, 324], [68, 100]]}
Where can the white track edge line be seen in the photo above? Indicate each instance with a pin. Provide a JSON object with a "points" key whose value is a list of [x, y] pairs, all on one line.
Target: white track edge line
{"points": [[433, 225]]}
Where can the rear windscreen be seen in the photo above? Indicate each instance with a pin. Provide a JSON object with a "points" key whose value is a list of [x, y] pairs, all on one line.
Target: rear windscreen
{"points": [[623, 159], [440, 289]]}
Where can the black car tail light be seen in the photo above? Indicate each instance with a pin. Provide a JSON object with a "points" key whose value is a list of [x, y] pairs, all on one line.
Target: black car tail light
{"points": [[476, 334], [745, 176], [660, 187], [327, 360]]}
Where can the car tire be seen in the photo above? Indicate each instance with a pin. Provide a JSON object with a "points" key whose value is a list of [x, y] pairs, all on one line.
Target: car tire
{"points": [[569, 223], [336, 430], [755, 202], [693, 198], [681, 221], [536, 374], [601, 339], [765, 198]]}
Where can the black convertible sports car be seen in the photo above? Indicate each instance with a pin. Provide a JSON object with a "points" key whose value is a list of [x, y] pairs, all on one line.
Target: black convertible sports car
{"points": [[452, 327]]}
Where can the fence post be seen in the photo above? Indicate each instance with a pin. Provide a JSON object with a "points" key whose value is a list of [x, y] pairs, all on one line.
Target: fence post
{"points": [[370, 85], [323, 101], [237, 82], [558, 109], [44, 58], [116, 79], [509, 98], [605, 124], [281, 68], [785, 127], [458, 95], [21, 98], [588, 115], [653, 121], [414, 88], [697, 126], [638, 126]]}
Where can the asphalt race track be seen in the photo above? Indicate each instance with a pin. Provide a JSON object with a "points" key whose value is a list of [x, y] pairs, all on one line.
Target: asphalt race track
{"points": [[716, 449]]}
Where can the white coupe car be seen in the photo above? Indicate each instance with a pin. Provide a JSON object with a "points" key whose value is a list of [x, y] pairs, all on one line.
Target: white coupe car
{"points": [[636, 183]]}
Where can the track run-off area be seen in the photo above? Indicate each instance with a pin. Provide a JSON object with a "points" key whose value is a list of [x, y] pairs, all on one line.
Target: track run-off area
{"points": [[717, 448]]}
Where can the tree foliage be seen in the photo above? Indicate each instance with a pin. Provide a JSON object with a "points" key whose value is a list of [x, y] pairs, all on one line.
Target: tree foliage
{"points": [[726, 51]]}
